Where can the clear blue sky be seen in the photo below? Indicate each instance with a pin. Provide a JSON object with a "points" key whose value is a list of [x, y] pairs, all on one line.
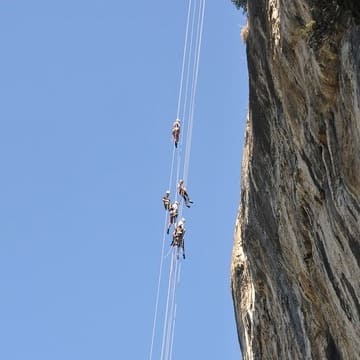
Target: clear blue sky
{"points": [[88, 94]]}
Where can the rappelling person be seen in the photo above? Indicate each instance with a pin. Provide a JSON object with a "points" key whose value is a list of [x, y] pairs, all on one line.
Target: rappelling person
{"points": [[166, 200], [183, 193], [178, 236], [176, 132], [173, 214]]}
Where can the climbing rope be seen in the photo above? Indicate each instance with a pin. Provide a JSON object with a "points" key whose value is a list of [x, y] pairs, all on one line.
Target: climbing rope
{"points": [[161, 264], [193, 90], [168, 307], [183, 59], [173, 321], [188, 113], [185, 108]]}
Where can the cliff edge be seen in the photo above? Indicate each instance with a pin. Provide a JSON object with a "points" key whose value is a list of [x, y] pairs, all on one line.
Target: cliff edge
{"points": [[295, 272]]}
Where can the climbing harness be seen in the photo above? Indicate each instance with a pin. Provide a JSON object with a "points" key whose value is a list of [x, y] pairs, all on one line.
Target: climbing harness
{"points": [[180, 163]]}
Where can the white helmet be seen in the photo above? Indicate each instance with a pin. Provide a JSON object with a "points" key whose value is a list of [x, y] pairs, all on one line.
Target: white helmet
{"points": [[176, 202], [181, 181], [182, 220], [167, 191]]}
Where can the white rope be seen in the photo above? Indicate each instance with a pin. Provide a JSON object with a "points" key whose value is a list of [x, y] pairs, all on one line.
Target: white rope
{"points": [[165, 327], [193, 75], [161, 266], [172, 304], [186, 105], [178, 174], [195, 79], [188, 65], [185, 113], [183, 59], [172, 169], [173, 333], [171, 285], [190, 80], [177, 280]]}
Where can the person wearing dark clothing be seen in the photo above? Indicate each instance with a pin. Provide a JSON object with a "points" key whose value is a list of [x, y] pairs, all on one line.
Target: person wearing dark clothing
{"points": [[184, 194], [178, 236], [173, 214], [166, 200]]}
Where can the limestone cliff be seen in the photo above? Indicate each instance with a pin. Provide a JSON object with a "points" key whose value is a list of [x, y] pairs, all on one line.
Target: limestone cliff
{"points": [[295, 271]]}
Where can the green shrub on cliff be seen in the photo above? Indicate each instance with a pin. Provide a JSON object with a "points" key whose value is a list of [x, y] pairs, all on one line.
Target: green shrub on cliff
{"points": [[240, 4]]}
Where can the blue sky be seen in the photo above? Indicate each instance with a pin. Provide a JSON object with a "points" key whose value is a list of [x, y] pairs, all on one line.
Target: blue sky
{"points": [[88, 94]]}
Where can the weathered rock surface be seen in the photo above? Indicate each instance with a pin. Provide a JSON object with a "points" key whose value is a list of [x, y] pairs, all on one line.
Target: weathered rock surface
{"points": [[296, 257]]}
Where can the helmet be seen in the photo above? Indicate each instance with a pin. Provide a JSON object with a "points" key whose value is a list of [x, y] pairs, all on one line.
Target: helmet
{"points": [[167, 191], [176, 202], [181, 181], [177, 120], [182, 220]]}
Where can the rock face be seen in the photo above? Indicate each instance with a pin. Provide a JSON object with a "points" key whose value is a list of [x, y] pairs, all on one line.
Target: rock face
{"points": [[295, 271]]}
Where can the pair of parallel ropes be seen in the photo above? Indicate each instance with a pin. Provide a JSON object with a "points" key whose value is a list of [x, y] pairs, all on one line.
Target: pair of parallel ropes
{"points": [[185, 112]]}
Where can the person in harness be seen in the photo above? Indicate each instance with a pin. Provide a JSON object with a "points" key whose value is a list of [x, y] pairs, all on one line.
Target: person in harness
{"points": [[178, 236], [173, 214], [166, 200], [184, 194], [176, 132]]}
